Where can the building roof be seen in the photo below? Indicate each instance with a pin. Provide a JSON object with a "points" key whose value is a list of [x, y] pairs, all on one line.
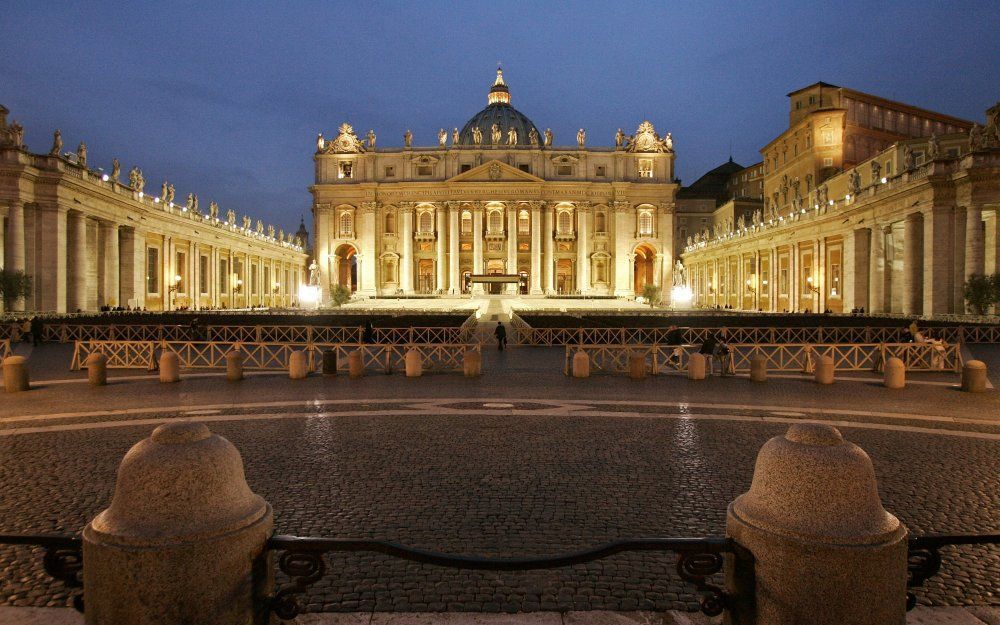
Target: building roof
{"points": [[499, 111], [713, 183]]}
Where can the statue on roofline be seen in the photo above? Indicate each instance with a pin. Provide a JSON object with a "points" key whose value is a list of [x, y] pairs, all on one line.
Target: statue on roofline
{"points": [[533, 136], [57, 143], [116, 170], [407, 138], [548, 137], [371, 139], [442, 137], [495, 134], [619, 138], [477, 135], [581, 138]]}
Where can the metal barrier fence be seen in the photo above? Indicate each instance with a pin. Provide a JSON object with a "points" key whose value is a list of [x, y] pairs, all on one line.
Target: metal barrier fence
{"points": [[67, 333], [778, 357], [268, 356]]}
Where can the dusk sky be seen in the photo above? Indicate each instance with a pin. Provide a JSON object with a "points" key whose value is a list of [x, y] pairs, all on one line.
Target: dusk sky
{"points": [[225, 98]]}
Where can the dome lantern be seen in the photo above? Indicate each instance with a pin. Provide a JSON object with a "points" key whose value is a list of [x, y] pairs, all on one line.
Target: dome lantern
{"points": [[499, 93]]}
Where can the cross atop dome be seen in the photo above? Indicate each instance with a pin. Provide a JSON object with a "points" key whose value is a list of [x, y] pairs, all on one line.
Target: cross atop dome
{"points": [[499, 93]]}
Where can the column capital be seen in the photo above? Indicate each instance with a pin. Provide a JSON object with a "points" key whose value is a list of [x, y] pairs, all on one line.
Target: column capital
{"points": [[369, 207], [621, 206], [406, 207], [583, 207], [536, 204], [452, 205]]}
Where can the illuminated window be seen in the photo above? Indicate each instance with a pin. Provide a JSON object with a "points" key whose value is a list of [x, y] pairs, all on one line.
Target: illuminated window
{"points": [[466, 222], [828, 162], [645, 168], [346, 225], [180, 268], [425, 223], [564, 222], [645, 223], [224, 275], [203, 274], [495, 223], [346, 170], [152, 270], [523, 223]]}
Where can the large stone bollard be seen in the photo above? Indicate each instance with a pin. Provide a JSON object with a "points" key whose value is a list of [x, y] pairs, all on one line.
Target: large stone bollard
{"points": [[355, 364], [696, 367], [15, 374], [330, 362], [298, 365], [472, 364], [414, 363], [234, 365], [894, 375], [974, 376], [758, 369], [170, 367], [824, 550], [581, 364], [637, 366], [97, 369], [823, 374], [183, 540]]}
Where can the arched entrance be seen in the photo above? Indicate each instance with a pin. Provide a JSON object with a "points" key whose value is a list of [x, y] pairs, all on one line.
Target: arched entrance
{"points": [[425, 276], [346, 270], [645, 262], [564, 276]]}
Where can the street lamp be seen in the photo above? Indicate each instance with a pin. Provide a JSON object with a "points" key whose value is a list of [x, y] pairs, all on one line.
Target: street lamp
{"points": [[809, 285], [173, 289], [749, 284]]}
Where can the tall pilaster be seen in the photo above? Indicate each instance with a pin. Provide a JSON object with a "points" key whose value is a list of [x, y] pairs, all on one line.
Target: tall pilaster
{"points": [[958, 265], [623, 252], [583, 247], [322, 253], [512, 245], [76, 242], [857, 262], [536, 249], [441, 222], [937, 271], [665, 232], [368, 257], [549, 261], [878, 270], [913, 264], [51, 279], [406, 247], [477, 244], [454, 279]]}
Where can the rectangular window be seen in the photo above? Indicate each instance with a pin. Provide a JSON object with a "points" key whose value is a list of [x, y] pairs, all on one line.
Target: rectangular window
{"points": [[645, 168], [828, 162], [224, 275], [203, 275], [464, 167], [152, 270], [564, 170], [238, 272], [524, 167], [267, 279], [253, 279], [601, 171], [346, 170], [390, 171], [180, 268]]}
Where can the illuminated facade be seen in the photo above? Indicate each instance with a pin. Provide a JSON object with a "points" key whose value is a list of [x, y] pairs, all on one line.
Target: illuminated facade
{"points": [[89, 241], [495, 207]]}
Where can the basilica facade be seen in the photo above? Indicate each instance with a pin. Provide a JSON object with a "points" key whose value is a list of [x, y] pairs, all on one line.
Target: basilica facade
{"points": [[494, 207]]}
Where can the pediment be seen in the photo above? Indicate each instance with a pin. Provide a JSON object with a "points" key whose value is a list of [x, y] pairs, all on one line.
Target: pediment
{"points": [[495, 171]]}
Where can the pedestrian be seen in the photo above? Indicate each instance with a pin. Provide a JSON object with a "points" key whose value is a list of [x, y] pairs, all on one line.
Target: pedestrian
{"points": [[368, 336], [501, 335], [675, 338], [36, 331], [708, 350]]}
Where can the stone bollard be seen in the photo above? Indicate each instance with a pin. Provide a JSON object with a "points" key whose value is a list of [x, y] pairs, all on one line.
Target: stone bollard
{"points": [[974, 376], [894, 375], [330, 362], [637, 366], [414, 363], [97, 369], [472, 364], [15, 374], [758, 369], [298, 365], [581, 364], [823, 373], [355, 364], [696, 367], [170, 367], [824, 550], [234, 365], [183, 541]]}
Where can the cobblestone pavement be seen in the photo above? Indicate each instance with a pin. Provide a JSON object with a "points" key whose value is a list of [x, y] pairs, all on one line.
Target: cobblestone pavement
{"points": [[502, 477]]}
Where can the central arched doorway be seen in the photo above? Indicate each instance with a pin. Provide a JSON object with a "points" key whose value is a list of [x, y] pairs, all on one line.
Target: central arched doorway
{"points": [[645, 261], [346, 270]]}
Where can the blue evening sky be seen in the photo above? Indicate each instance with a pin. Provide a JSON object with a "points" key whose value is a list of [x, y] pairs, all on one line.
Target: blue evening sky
{"points": [[225, 98]]}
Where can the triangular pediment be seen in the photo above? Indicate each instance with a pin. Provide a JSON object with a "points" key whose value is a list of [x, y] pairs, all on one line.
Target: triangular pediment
{"points": [[495, 171]]}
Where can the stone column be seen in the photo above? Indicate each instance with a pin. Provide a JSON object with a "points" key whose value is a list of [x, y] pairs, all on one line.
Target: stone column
{"points": [[583, 247], [549, 259], [958, 249], [184, 538], [512, 244], [477, 244], [857, 262], [131, 261], [51, 278], [974, 241], [877, 270], [406, 247], [535, 287], [454, 266], [14, 245], [913, 264], [824, 549], [441, 222], [938, 273], [76, 241], [992, 243]]}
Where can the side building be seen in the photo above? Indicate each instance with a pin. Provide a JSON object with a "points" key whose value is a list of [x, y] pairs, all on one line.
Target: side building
{"points": [[90, 241], [495, 207]]}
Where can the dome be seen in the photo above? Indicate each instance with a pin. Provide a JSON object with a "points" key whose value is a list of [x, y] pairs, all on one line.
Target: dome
{"points": [[506, 117]]}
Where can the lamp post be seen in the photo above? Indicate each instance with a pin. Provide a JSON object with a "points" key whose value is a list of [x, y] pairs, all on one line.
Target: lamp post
{"points": [[752, 291], [814, 291], [171, 290], [275, 288]]}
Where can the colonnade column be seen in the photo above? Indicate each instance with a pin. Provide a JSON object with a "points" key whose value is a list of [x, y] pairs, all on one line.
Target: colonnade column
{"points": [[877, 270], [937, 271], [51, 278], [512, 245], [454, 212], [548, 260], [958, 246], [477, 245], [913, 264], [76, 241], [974, 253], [441, 221], [583, 247], [14, 245], [857, 260], [129, 267], [536, 248]]}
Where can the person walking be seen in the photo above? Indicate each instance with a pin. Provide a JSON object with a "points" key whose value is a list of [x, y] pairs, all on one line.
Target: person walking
{"points": [[501, 335], [36, 331], [708, 350], [368, 336]]}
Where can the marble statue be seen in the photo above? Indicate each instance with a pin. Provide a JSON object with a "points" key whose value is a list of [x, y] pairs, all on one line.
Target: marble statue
{"points": [[189, 205], [281, 235], [876, 172], [548, 137], [133, 178], [741, 224], [690, 241], [757, 217], [231, 217], [581, 138], [454, 136], [533, 136], [141, 180], [495, 134], [909, 160], [194, 207], [170, 193], [442, 137], [163, 192], [512, 136], [81, 154], [246, 223], [57, 143], [260, 227], [854, 182], [320, 142], [668, 142], [270, 232], [619, 138], [116, 170], [313, 274], [477, 135], [933, 148], [371, 138], [213, 210], [17, 134], [680, 277], [976, 142], [407, 138]]}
